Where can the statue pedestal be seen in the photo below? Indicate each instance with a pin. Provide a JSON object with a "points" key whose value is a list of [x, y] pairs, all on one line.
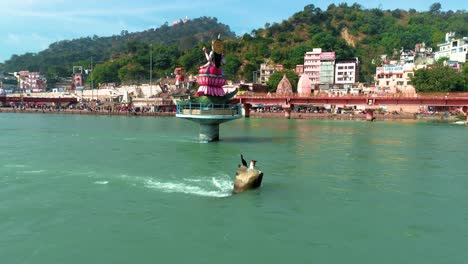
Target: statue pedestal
{"points": [[209, 132], [209, 118]]}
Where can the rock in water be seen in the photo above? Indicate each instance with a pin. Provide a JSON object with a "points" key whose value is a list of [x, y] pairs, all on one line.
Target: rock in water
{"points": [[247, 178]]}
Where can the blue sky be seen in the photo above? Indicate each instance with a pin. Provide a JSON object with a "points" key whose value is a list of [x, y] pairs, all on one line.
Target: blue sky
{"points": [[31, 25]]}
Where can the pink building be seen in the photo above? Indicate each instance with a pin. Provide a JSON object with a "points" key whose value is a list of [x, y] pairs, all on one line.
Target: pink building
{"points": [[31, 81], [320, 67], [77, 79]]}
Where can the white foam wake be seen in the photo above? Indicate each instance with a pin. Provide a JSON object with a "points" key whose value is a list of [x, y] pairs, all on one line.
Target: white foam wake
{"points": [[101, 182], [216, 187], [34, 171]]}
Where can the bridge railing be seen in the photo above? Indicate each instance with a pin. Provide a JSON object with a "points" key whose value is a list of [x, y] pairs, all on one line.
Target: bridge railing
{"points": [[210, 109], [370, 95]]}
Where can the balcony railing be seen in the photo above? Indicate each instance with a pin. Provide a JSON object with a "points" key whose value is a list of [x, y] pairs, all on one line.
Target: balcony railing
{"points": [[211, 109]]}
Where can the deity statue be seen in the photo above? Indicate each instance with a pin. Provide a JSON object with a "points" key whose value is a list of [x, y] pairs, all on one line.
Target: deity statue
{"points": [[210, 79], [210, 76]]}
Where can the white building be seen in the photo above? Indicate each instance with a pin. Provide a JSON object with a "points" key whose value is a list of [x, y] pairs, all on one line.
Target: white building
{"points": [[453, 49], [395, 79], [346, 72], [312, 65], [31, 81]]}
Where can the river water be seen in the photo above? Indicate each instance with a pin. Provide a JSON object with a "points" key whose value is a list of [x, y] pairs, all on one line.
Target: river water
{"points": [[99, 189]]}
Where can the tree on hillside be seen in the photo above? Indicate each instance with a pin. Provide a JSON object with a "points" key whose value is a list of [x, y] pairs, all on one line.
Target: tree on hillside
{"points": [[438, 78], [231, 67], [107, 72], [131, 73], [435, 8]]}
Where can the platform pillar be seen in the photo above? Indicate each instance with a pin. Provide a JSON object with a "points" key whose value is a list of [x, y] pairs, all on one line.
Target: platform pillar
{"points": [[246, 110], [370, 115], [209, 133], [287, 113]]}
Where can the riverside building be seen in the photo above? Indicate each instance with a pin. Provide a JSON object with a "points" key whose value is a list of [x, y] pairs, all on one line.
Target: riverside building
{"points": [[31, 82], [320, 68], [346, 73], [395, 79]]}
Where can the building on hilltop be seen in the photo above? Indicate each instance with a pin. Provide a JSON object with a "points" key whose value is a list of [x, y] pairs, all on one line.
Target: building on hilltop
{"points": [[179, 21], [407, 56], [454, 49]]}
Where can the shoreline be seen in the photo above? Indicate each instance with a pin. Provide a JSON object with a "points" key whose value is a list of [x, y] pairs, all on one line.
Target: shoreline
{"points": [[83, 112], [294, 115]]}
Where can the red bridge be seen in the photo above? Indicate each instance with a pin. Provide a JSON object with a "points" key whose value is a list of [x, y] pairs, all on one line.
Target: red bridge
{"points": [[371, 102]]}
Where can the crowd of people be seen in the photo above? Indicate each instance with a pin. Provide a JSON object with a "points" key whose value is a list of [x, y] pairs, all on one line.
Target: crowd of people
{"points": [[91, 106]]}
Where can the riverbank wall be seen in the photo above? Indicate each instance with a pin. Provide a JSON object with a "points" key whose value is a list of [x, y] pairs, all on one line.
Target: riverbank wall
{"points": [[294, 115]]}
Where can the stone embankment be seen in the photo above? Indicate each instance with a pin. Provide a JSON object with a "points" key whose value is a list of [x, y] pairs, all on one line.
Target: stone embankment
{"points": [[329, 116], [294, 115]]}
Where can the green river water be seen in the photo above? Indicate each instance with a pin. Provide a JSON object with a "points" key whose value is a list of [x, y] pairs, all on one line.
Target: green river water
{"points": [[99, 189]]}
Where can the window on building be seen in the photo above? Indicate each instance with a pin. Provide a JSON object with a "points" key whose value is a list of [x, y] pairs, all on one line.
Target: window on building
{"points": [[409, 83], [410, 75], [400, 83], [387, 82]]}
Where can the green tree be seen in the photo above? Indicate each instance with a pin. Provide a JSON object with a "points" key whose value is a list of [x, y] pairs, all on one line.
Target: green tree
{"points": [[438, 79], [107, 72], [232, 66], [435, 8], [131, 73]]}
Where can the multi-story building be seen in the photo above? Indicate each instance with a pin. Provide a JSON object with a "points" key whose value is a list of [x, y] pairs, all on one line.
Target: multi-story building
{"points": [[407, 56], [395, 78], [320, 67], [267, 70], [346, 72], [327, 69], [34, 82], [312, 65], [453, 49]]}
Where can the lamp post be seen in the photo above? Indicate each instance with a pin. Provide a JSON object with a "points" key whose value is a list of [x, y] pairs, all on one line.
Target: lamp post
{"points": [[92, 81], [151, 69]]}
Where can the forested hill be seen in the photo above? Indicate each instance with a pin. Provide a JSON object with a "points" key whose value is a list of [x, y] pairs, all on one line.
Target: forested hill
{"points": [[349, 30], [59, 58]]}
